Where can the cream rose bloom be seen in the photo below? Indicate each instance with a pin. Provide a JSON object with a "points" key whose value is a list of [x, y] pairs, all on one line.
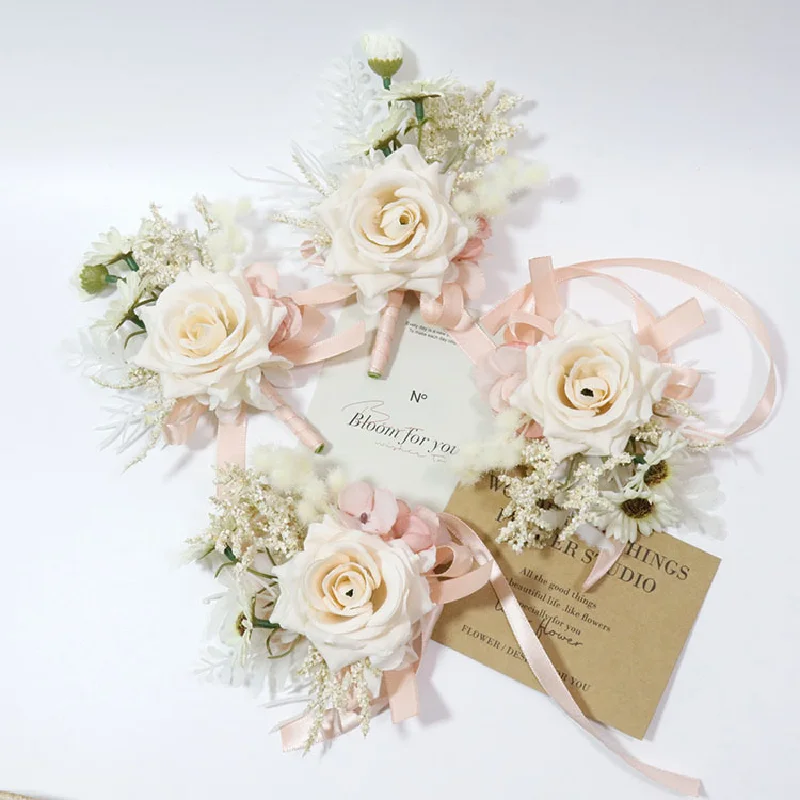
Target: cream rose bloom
{"points": [[208, 337], [353, 596], [589, 387], [392, 227]]}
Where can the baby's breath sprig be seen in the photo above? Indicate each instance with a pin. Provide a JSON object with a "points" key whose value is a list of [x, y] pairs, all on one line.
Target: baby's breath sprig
{"points": [[464, 128], [251, 517], [338, 692]]}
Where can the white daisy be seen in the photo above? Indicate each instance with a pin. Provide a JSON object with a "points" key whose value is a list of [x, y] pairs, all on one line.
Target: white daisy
{"points": [[688, 483], [127, 293], [632, 513], [244, 651], [655, 467], [382, 133], [420, 90], [111, 246]]}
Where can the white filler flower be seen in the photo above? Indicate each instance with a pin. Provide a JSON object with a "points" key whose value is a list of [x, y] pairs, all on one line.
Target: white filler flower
{"points": [[589, 387], [353, 596], [208, 337], [392, 227]]}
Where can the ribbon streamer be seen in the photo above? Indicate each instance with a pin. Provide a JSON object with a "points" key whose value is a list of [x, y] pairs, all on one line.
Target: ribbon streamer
{"points": [[545, 672]]}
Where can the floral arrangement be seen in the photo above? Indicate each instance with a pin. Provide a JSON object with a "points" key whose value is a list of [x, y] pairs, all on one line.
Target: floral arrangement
{"points": [[188, 329], [331, 589], [595, 436], [405, 201]]}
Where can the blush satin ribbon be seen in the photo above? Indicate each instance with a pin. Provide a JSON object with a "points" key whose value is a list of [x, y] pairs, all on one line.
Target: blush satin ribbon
{"points": [[530, 312]]}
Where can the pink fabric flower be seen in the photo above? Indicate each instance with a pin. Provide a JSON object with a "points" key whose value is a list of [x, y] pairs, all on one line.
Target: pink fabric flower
{"points": [[371, 510], [419, 528], [500, 373], [263, 281]]}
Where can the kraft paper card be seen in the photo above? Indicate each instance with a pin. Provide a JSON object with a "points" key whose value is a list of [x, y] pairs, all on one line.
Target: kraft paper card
{"points": [[615, 646], [401, 431]]}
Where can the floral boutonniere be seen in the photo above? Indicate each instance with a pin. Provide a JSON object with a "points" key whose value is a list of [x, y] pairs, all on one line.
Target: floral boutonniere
{"points": [[189, 330], [405, 202], [330, 592], [596, 434], [330, 589]]}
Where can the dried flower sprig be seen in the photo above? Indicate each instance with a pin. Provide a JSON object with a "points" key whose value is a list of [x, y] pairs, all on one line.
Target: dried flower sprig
{"points": [[340, 692], [251, 517]]}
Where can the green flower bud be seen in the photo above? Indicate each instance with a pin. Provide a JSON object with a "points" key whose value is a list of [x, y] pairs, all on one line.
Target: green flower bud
{"points": [[93, 278]]}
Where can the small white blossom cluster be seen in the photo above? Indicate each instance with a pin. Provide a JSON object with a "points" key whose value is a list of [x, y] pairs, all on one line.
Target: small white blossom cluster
{"points": [[660, 481]]}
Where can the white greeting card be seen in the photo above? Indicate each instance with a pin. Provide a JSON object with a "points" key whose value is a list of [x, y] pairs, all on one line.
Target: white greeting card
{"points": [[402, 431]]}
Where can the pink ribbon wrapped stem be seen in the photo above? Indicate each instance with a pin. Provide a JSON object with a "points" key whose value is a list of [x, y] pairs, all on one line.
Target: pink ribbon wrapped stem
{"points": [[296, 423], [384, 336]]}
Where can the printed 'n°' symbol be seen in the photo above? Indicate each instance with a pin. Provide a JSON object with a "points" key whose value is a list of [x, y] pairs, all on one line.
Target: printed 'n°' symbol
{"points": [[417, 396]]}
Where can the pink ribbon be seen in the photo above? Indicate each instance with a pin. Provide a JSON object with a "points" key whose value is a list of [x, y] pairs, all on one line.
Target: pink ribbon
{"points": [[232, 441], [382, 346], [606, 558], [545, 672], [182, 421]]}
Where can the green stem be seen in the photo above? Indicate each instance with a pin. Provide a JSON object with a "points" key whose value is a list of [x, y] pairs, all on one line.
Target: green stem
{"points": [[112, 279], [130, 261], [286, 651], [386, 151], [260, 574], [419, 109], [128, 338], [222, 567], [264, 623], [387, 82], [143, 303]]}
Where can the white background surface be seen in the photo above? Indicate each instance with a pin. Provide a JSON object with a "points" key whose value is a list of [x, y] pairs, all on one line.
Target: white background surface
{"points": [[671, 130]]}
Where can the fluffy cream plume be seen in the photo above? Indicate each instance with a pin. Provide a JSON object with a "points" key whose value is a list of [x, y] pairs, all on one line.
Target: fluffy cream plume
{"points": [[501, 450]]}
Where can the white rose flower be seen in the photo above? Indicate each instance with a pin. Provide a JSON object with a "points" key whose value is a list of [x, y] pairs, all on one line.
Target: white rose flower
{"points": [[353, 596], [589, 387], [208, 337], [392, 227]]}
